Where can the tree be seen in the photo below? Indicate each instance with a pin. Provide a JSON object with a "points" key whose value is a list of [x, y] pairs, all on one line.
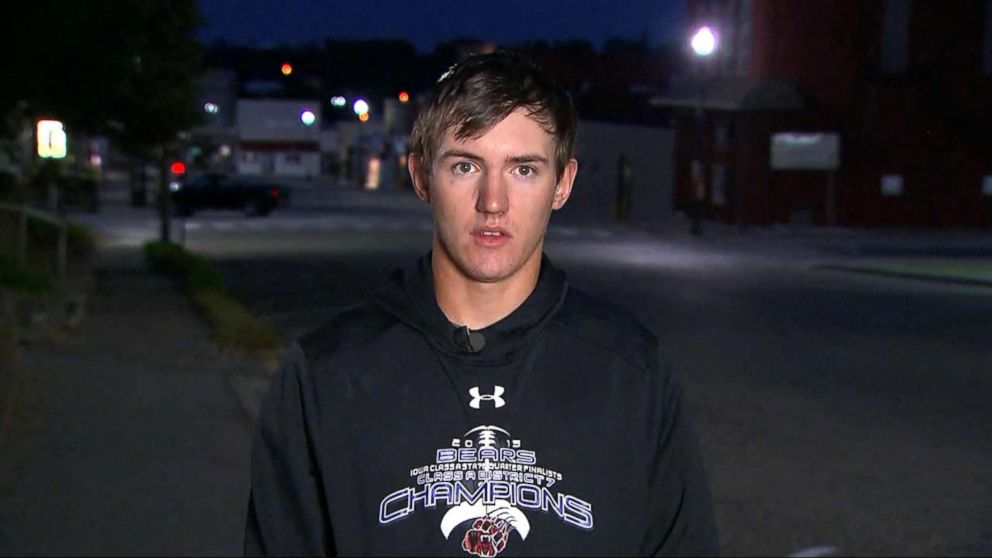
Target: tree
{"points": [[127, 69]]}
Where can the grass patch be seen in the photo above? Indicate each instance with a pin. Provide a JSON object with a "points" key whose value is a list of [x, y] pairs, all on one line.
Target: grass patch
{"points": [[19, 277], [931, 267], [233, 326]]}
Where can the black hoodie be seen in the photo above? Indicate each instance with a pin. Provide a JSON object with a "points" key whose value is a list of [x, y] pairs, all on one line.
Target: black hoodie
{"points": [[555, 431]]}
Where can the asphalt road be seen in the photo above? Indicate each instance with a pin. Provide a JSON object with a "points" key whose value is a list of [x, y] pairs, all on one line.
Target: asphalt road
{"points": [[841, 413]]}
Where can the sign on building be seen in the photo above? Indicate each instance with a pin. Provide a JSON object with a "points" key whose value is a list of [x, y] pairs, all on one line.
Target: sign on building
{"points": [[805, 151]]}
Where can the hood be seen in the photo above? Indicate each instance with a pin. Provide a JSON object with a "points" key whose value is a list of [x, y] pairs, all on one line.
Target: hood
{"points": [[408, 294]]}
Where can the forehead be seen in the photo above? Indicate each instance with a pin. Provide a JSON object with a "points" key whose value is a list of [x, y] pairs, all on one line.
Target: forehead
{"points": [[515, 134]]}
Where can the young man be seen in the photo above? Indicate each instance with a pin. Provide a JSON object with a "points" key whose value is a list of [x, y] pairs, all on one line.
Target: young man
{"points": [[477, 405]]}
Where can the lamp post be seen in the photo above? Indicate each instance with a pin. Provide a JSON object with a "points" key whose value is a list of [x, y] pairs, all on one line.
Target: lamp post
{"points": [[704, 43]]}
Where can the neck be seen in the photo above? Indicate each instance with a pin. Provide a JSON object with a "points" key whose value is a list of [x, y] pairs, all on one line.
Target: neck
{"points": [[477, 304]]}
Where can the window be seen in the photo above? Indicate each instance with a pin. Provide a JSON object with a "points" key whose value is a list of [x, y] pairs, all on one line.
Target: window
{"points": [[743, 47], [987, 39], [987, 185], [719, 179], [895, 36], [721, 136], [249, 156], [293, 159]]}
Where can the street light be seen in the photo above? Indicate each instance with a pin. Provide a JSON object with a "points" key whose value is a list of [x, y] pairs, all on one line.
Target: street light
{"points": [[704, 43]]}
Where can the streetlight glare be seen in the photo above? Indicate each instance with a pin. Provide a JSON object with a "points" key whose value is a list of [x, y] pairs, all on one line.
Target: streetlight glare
{"points": [[360, 107], [704, 41], [308, 117]]}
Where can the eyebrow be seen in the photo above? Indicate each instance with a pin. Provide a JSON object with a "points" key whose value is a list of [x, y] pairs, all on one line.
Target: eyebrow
{"points": [[528, 158], [459, 153]]}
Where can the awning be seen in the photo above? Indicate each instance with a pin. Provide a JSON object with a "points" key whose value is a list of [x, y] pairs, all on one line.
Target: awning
{"points": [[737, 95]]}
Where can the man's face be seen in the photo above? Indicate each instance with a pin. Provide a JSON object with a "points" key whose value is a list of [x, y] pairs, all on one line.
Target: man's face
{"points": [[492, 197]]}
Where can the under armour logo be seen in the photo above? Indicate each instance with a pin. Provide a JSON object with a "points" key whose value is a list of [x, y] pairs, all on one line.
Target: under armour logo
{"points": [[495, 397]]}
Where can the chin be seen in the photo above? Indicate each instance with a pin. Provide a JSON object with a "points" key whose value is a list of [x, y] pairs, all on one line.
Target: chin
{"points": [[488, 273]]}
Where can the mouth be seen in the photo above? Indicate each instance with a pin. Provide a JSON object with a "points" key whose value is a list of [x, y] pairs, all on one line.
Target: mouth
{"points": [[490, 236]]}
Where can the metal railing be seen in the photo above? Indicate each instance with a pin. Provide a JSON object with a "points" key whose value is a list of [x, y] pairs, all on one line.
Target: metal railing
{"points": [[57, 221]]}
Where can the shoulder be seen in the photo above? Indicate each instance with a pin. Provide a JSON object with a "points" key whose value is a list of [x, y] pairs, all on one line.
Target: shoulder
{"points": [[597, 322], [350, 327]]}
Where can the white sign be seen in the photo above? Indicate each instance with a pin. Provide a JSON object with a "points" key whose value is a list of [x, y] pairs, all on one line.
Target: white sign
{"points": [[52, 141], [805, 151], [892, 185]]}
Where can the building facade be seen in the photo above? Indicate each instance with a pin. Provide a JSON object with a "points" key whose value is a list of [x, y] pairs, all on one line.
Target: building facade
{"points": [[279, 137], [838, 112]]}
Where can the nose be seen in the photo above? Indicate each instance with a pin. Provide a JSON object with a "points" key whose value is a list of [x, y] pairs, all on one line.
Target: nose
{"points": [[492, 195]]}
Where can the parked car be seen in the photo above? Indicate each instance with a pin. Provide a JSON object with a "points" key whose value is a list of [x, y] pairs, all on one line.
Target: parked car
{"points": [[255, 196]]}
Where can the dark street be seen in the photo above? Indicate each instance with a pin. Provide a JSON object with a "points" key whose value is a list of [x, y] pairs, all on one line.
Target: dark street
{"points": [[835, 409], [794, 199]]}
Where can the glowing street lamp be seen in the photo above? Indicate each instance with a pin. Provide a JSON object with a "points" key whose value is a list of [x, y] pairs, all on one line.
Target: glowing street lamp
{"points": [[286, 69], [360, 107], [404, 96], [704, 41], [308, 117]]}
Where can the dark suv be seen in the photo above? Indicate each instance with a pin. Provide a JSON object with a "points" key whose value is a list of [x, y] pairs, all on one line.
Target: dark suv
{"points": [[256, 196]]}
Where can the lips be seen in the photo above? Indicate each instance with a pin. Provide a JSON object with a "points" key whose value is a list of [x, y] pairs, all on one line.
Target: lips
{"points": [[490, 231], [490, 236]]}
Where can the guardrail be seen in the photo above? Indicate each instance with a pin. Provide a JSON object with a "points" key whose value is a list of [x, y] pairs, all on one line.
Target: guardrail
{"points": [[57, 221]]}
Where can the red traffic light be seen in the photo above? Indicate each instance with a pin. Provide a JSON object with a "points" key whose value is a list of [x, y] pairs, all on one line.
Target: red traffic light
{"points": [[178, 167]]}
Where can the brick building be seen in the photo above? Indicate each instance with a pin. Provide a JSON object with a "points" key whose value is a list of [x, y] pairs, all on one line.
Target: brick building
{"points": [[848, 112]]}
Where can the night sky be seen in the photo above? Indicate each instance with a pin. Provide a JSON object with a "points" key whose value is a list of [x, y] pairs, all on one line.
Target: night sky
{"points": [[427, 22]]}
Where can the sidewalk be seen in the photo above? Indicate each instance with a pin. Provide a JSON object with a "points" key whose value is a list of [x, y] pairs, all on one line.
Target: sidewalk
{"points": [[961, 257], [128, 439]]}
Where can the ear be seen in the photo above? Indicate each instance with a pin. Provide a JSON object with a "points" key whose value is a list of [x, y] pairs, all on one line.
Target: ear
{"points": [[564, 188], [416, 167]]}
